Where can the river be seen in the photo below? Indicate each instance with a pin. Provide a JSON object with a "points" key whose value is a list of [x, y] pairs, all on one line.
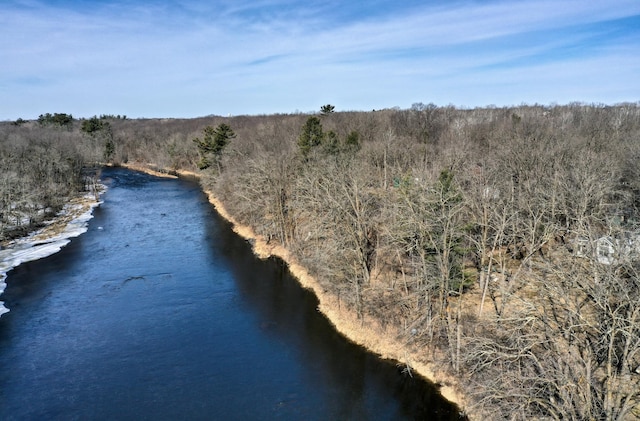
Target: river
{"points": [[159, 311]]}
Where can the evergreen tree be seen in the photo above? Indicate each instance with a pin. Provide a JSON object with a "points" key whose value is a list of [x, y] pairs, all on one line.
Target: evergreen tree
{"points": [[93, 125], [352, 142], [212, 144], [58, 119], [109, 149], [327, 109], [331, 143], [311, 135]]}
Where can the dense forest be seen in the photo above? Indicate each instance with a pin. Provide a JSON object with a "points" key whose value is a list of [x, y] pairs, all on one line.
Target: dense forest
{"points": [[501, 244]]}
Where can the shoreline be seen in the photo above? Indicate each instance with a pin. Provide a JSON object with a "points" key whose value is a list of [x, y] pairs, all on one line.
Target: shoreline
{"points": [[367, 334], [72, 221]]}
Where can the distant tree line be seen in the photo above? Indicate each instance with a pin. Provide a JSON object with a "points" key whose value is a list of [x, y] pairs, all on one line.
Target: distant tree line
{"points": [[57, 119]]}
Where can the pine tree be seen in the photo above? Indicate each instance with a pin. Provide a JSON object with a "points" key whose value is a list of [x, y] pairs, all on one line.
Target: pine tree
{"points": [[212, 144], [311, 135]]}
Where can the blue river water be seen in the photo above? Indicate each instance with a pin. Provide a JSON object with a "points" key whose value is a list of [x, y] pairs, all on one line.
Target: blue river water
{"points": [[160, 312]]}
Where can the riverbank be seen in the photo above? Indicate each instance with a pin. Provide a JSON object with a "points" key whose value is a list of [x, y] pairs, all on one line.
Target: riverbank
{"points": [[71, 222], [366, 333]]}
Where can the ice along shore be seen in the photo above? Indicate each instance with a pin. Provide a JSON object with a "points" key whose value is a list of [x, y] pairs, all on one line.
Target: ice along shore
{"points": [[70, 222]]}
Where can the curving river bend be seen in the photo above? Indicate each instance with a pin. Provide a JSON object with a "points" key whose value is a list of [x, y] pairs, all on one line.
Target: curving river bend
{"points": [[161, 312]]}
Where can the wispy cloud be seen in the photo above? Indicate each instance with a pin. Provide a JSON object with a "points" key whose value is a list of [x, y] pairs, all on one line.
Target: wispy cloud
{"points": [[189, 58]]}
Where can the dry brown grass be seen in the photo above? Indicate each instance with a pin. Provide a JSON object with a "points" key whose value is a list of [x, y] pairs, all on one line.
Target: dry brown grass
{"points": [[76, 207]]}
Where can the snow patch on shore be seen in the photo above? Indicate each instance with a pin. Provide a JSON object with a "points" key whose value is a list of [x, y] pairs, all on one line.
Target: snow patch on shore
{"points": [[44, 242]]}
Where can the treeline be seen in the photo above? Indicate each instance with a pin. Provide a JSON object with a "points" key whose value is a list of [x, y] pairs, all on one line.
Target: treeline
{"points": [[45, 162], [499, 243], [42, 166]]}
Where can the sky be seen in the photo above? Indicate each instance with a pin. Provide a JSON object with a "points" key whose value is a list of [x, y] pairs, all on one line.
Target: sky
{"points": [[192, 58]]}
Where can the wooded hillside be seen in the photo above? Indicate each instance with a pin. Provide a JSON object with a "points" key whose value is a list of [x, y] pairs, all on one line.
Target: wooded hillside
{"points": [[501, 243]]}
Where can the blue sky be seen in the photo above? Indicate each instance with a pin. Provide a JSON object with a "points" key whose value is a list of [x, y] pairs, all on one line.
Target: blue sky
{"points": [[190, 58]]}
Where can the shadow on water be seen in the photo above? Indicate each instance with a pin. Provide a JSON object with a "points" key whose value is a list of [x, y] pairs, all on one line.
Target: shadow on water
{"points": [[289, 312]]}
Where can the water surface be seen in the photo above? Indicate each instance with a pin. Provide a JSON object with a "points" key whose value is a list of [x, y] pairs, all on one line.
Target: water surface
{"points": [[160, 311]]}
